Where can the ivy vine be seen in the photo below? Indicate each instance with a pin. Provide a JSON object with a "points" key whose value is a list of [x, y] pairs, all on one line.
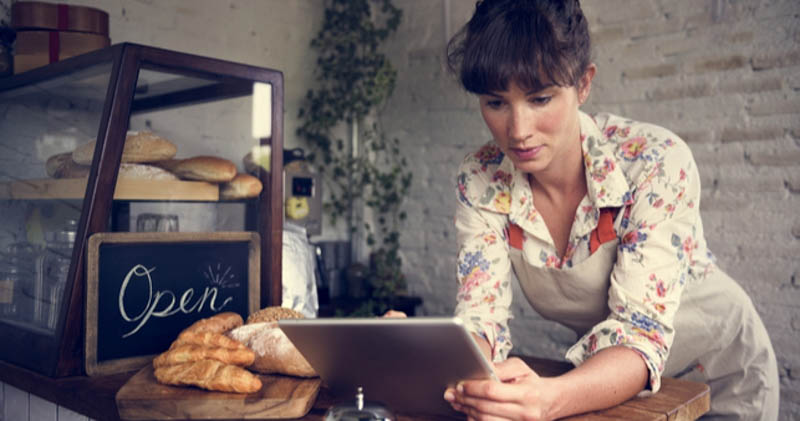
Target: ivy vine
{"points": [[354, 79]]}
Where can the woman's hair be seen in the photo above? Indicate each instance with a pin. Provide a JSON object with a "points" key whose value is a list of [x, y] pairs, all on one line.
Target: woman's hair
{"points": [[535, 43]]}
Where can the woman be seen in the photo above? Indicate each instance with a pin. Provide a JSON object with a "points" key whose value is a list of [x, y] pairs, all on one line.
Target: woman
{"points": [[598, 218]]}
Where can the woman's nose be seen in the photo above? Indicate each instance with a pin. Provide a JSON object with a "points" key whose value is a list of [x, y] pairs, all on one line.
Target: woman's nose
{"points": [[519, 124]]}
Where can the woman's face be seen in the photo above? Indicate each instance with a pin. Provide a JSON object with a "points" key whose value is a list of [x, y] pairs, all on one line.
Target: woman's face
{"points": [[536, 128]]}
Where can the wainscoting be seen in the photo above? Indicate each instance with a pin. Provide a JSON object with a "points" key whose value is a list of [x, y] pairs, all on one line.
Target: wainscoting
{"points": [[18, 405]]}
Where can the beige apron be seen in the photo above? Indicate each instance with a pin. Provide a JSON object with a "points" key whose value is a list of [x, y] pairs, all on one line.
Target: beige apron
{"points": [[719, 338]]}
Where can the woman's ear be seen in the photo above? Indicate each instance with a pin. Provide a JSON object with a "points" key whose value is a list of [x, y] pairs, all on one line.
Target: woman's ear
{"points": [[585, 83]]}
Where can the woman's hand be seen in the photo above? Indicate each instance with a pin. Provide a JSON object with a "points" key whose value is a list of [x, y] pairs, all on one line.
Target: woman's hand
{"points": [[395, 314], [520, 395]]}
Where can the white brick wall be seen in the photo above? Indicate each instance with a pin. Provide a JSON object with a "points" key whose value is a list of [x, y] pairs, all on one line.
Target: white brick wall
{"points": [[723, 74]]}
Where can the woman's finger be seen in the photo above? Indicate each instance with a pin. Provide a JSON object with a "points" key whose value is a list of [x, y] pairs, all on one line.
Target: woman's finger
{"points": [[486, 409]]}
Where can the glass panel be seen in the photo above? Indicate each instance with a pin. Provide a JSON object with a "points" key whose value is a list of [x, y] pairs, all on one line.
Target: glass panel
{"points": [[42, 189], [175, 191]]}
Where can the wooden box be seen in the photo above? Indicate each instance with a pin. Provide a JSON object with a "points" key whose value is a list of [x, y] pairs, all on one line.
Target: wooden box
{"points": [[35, 15], [40, 48]]}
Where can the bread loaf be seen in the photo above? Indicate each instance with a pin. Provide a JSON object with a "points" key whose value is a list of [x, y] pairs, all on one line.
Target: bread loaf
{"points": [[211, 375], [274, 352], [204, 168], [141, 146], [273, 314], [62, 166], [144, 172], [243, 186]]}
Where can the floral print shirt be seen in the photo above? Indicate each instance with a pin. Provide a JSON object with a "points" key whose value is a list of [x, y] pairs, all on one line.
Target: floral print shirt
{"points": [[644, 170]]}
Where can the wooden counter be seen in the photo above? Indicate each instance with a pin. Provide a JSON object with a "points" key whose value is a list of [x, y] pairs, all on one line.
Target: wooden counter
{"points": [[678, 400]]}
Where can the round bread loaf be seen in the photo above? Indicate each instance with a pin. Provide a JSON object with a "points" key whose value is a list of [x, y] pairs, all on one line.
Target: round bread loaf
{"points": [[141, 146], [273, 314], [205, 168], [242, 186], [62, 166]]}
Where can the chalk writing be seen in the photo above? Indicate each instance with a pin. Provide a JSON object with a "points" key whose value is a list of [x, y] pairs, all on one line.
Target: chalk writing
{"points": [[154, 300]]}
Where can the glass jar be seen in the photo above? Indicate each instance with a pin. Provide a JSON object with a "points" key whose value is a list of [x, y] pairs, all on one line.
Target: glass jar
{"points": [[23, 272], [10, 288], [55, 266]]}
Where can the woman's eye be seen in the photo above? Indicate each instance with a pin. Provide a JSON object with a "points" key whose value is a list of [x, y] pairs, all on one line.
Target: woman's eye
{"points": [[541, 100], [494, 104]]}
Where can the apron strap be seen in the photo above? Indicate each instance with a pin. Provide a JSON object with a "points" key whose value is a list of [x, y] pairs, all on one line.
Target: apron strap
{"points": [[514, 236], [605, 229], [603, 233]]}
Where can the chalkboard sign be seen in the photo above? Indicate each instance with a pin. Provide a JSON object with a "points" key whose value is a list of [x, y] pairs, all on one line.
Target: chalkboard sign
{"points": [[144, 288]]}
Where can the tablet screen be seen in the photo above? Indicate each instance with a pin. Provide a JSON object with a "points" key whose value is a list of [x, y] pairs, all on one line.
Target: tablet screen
{"points": [[404, 363]]}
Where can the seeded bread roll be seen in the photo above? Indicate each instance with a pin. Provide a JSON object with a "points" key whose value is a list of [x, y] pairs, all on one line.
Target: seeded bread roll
{"points": [[243, 186], [273, 314], [139, 147], [204, 168]]}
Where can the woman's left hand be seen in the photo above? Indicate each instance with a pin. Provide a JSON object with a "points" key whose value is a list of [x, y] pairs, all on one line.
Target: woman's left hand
{"points": [[520, 394]]}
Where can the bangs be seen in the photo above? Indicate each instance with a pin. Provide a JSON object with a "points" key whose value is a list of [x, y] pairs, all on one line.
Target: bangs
{"points": [[520, 47]]}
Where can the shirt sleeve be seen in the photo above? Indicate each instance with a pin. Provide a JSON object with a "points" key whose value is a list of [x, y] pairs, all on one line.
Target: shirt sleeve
{"points": [[483, 270], [658, 233]]}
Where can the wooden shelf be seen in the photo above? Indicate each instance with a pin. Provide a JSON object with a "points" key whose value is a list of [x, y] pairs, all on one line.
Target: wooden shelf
{"points": [[126, 189]]}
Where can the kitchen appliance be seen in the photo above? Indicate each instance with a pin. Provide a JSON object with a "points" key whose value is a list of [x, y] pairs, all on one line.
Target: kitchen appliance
{"points": [[302, 192]]}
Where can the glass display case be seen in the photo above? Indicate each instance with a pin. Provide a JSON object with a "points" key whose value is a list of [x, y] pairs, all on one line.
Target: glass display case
{"points": [[128, 138]]}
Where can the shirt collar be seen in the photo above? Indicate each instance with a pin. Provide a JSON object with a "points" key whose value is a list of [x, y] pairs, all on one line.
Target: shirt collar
{"points": [[508, 190], [606, 182]]}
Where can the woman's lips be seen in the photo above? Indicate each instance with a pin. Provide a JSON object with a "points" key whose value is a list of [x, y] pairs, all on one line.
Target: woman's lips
{"points": [[526, 154]]}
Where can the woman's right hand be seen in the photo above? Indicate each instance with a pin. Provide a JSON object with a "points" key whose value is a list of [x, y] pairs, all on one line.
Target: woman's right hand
{"points": [[520, 395]]}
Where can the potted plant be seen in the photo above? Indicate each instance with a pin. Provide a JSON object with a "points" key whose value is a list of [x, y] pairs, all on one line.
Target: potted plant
{"points": [[367, 177], [7, 36]]}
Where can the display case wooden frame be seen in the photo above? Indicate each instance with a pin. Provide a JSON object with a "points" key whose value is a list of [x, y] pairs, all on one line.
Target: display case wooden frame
{"points": [[62, 354]]}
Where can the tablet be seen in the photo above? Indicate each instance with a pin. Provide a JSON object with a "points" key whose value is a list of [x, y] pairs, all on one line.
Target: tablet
{"points": [[406, 364]]}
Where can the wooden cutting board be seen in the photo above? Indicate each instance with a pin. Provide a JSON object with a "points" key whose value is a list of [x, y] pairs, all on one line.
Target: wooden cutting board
{"points": [[143, 398]]}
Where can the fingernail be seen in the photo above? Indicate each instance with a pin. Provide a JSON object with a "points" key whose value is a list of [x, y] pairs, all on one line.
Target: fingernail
{"points": [[460, 387], [449, 396]]}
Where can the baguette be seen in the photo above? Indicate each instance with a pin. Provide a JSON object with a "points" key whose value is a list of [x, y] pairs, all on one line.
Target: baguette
{"points": [[210, 375], [204, 168]]}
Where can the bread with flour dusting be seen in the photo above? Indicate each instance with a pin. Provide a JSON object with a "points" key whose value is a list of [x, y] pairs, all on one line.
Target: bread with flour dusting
{"points": [[275, 353]]}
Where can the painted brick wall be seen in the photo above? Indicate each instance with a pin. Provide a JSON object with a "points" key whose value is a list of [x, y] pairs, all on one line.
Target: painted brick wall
{"points": [[723, 74]]}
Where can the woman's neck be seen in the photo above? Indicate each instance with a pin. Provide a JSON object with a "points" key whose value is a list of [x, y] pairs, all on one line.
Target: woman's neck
{"points": [[565, 178]]}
